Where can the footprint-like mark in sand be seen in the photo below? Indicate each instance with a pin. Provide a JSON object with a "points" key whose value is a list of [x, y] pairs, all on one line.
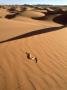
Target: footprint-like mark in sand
{"points": [[31, 57]]}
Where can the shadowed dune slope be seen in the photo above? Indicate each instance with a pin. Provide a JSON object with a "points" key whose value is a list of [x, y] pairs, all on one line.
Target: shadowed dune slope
{"points": [[62, 19], [11, 16]]}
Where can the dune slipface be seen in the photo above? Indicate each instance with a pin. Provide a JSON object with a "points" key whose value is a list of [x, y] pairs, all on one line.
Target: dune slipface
{"points": [[33, 54], [62, 19]]}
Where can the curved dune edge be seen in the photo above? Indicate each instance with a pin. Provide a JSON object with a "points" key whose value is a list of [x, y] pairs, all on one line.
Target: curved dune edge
{"points": [[32, 14], [14, 27], [29, 14], [61, 19], [37, 14]]}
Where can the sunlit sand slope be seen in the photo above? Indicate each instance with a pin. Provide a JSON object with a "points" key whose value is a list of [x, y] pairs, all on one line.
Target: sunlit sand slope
{"points": [[17, 72], [33, 53]]}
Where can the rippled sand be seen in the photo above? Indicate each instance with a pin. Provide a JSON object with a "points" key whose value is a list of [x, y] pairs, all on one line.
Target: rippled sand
{"points": [[45, 40]]}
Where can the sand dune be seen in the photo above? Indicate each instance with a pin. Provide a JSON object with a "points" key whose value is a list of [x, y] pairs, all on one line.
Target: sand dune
{"points": [[45, 40], [21, 73], [3, 13], [32, 14], [10, 28], [62, 19]]}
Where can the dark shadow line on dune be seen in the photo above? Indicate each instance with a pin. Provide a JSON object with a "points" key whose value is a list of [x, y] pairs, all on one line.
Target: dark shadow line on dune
{"points": [[33, 33]]}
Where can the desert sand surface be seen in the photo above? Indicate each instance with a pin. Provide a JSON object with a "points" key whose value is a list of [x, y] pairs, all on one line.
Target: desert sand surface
{"points": [[33, 49]]}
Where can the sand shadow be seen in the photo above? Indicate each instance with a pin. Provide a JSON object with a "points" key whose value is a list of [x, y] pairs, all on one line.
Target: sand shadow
{"points": [[39, 18], [61, 19], [10, 16], [33, 33]]}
